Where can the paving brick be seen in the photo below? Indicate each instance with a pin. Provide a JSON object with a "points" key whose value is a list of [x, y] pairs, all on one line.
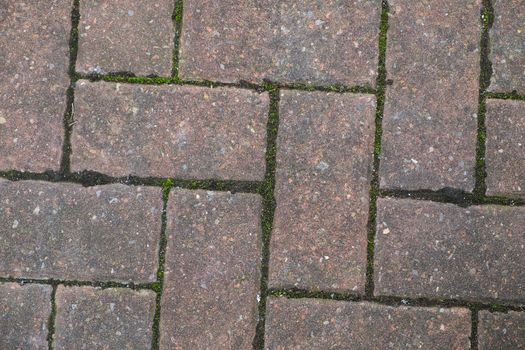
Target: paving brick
{"points": [[507, 39], [429, 125], [92, 318], [501, 331], [170, 131], [66, 231], [436, 250], [24, 314], [324, 161], [505, 148], [126, 36], [320, 42], [212, 270], [327, 324], [34, 58]]}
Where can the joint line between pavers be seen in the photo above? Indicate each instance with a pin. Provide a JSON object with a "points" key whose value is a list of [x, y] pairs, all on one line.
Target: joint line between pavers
{"points": [[79, 283], [177, 26], [52, 318], [474, 312], [374, 183]]}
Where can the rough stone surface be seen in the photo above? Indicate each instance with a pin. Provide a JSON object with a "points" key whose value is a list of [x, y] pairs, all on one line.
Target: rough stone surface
{"points": [[170, 131], [91, 318], [126, 36], [320, 42], [436, 250], [34, 59], [24, 313], [326, 324], [429, 125], [505, 148], [324, 162], [212, 273], [507, 39], [67, 231], [501, 331]]}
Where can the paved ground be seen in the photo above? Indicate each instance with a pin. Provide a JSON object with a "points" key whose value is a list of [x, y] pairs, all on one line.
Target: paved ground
{"points": [[206, 174]]}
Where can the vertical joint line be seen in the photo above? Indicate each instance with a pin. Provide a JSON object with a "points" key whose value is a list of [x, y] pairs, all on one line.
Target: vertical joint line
{"points": [[69, 114], [177, 25], [268, 211], [474, 329], [374, 183], [486, 18], [158, 286], [52, 317]]}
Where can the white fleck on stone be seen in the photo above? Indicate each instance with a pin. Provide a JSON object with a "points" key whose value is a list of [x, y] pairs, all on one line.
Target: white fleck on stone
{"points": [[322, 166], [386, 231], [319, 22], [414, 161], [3, 120], [112, 306], [36, 211], [131, 13], [15, 224]]}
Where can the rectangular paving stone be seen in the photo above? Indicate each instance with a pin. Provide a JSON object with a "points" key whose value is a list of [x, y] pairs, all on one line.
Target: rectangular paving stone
{"points": [[324, 162], [92, 318], [435, 250], [212, 274], [131, 36], [170, 131], [430, 116], [34, 59], [507, 39], [505, 148], [502, 331], [327, 324], [24, 314], [320, 42], [66, 231]]}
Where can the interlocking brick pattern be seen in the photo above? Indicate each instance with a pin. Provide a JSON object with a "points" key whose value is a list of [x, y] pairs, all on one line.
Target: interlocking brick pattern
{"points": [[198, 174]]}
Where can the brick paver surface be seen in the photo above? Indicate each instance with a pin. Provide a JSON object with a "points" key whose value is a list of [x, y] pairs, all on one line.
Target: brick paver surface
{"points": [[320, 42], [24, 313], [200, 174], [131, 36], [324, 162], [212, 270], [429, 128], [508, 46], [505, 157], [184, 132], [34, 58], [66, 231], [503, 331], [325, 324], [436, 250]]}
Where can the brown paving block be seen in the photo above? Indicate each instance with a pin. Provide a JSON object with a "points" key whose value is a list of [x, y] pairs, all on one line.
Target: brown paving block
{"points": [[126, 36], [505, 148], [212, 276], [34, 59], [323, 42], [66, 231], [327, 324], [92, 318], [430, 117], [170, 131], [24, 314], [507, 39], [501, 331], [324, 161], [436, 250]]}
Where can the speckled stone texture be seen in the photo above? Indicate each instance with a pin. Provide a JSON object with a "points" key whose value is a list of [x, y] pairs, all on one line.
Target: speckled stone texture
{"points": [[324, 162], [505, 148], [315, 42], [501, 331], [66, 231], [430, 117], [170, 131], [91, 318], [24, 313], [326, 324], [130, 36], [436, 250], [34, 59], [507, 39], [212, 276]]}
